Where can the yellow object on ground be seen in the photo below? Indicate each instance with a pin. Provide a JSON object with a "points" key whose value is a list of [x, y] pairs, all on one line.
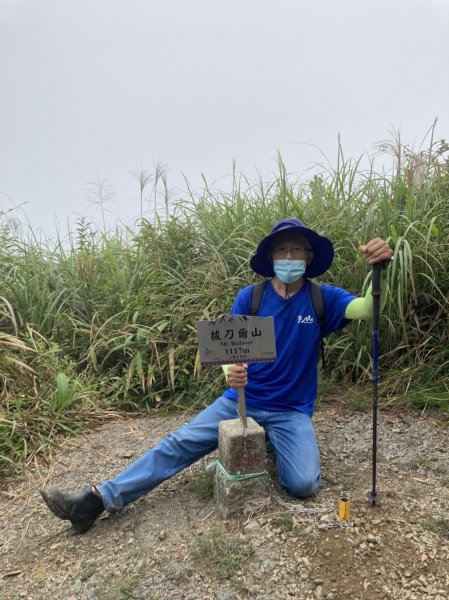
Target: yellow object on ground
{"points": [[344, 509]]}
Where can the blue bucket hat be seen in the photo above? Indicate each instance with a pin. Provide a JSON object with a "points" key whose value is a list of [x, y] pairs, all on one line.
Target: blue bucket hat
{"points": [[322, 248]]}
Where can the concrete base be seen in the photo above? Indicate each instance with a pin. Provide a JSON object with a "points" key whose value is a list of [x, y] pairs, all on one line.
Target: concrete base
{"points": [[231, 497], [241, 452]]}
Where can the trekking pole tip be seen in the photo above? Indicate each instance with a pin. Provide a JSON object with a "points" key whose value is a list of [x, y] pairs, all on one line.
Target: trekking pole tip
{"points": [[373, 497]]}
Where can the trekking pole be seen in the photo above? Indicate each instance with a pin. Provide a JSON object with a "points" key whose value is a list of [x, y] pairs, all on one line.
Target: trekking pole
{"points": [[375, 291]]}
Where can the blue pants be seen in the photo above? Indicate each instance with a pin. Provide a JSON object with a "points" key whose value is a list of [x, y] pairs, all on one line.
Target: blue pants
{"points": [[290, 433]]}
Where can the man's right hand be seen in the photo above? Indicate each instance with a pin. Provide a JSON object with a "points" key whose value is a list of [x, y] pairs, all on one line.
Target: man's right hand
{"points": [[237, 375]]}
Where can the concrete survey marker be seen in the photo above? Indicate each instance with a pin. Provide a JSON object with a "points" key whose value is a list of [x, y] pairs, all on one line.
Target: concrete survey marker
{"points": [[240, 471], [236, 339], [241, 454]]}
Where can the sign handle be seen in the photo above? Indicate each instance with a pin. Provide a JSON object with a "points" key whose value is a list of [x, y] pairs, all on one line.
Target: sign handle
{"points": [[242, 406]]}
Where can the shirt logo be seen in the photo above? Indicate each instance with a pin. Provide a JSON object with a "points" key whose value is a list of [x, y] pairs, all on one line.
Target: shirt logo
{"points": [[308, 319]]}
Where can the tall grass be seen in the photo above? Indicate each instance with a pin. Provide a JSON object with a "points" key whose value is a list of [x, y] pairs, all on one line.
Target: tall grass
{"points": [[107, 319]]}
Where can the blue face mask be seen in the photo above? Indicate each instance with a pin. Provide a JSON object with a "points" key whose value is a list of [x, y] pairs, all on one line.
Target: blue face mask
{"points": [[289, 271]]}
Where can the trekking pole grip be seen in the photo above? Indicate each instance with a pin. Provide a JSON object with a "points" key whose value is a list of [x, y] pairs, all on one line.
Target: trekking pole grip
{"points": [[375, 292]]}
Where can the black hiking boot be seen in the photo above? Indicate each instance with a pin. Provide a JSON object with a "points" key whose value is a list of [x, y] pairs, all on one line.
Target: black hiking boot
{"points": [[81, 509]]}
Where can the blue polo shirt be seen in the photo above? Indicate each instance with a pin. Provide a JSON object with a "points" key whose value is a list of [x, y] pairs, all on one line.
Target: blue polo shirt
{"points": [[290, 383]]}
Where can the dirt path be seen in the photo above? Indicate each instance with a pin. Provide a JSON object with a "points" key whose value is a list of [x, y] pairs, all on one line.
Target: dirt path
{"points": [[172, 544]]}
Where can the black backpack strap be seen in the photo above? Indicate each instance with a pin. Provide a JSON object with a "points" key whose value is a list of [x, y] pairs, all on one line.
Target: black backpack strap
{"points": [[316, 294], [256, 297]]}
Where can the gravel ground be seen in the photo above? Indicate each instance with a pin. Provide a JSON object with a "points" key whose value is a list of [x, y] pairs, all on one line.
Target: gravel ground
{"points": [[172, 543]]}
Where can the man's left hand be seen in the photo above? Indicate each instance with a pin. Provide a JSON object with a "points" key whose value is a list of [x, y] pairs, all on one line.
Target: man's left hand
{"points": [[377, 250]]}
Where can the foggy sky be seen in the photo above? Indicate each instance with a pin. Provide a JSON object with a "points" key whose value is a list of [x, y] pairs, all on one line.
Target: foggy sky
{"points": [[97, 88]]}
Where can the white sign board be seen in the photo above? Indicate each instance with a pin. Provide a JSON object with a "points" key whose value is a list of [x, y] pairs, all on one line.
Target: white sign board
{"points": [[236, 339]]}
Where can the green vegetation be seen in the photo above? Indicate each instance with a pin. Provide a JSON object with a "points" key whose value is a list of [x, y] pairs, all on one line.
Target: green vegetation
{"points": [[219, 555], [202, 485], [105, 321], [118, 588], [438, 525]]}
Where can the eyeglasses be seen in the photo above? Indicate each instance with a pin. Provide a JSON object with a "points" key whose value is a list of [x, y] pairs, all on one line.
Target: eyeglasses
{"points": [[295, 250]]}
